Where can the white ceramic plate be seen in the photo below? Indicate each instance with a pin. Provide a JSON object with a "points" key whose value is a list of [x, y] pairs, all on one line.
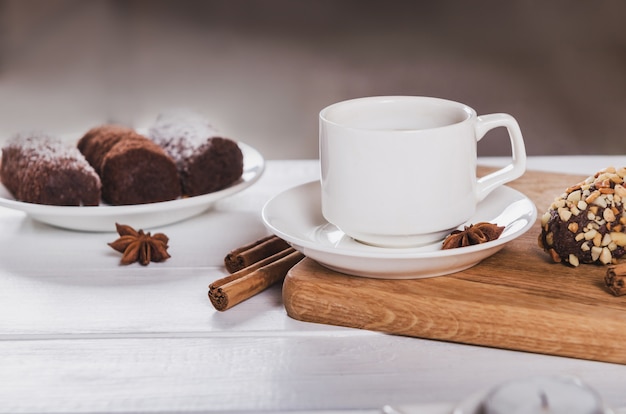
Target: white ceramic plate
{"points": [[295, 215], [104, 217]]}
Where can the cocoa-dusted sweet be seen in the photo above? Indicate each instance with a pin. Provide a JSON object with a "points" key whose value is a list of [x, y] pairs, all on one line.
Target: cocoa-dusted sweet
{"points": [[587, 224], [39, 168], [206, 162], [98, 141], [133, 169]]}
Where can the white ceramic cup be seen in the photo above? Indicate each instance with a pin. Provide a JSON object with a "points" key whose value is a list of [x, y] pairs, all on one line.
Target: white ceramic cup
{"points": [[400, 171]]}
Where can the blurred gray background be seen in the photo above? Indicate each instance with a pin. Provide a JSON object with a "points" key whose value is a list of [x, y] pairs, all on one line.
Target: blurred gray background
{"points": [[261, 70]]}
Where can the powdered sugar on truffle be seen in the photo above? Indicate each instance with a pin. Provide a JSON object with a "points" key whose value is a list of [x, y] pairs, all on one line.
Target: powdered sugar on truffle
{"points": [[41, 147], [205, 161], [40, 168], [181, 134]]}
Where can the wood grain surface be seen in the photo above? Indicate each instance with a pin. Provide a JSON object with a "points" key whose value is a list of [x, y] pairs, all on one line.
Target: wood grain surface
{"points": [[517, 299]]}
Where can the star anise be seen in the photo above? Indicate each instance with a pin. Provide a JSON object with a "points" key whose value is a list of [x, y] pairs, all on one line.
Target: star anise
{"points": [[473, 234], [137, 246]]}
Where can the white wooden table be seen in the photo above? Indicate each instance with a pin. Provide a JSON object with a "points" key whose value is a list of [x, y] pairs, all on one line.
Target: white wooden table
{"points": [[80, 333]]}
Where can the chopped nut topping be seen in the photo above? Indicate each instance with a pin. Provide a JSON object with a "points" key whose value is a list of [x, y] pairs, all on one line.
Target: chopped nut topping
{"points": [[593, 221], [592, 197], [555, 255]]}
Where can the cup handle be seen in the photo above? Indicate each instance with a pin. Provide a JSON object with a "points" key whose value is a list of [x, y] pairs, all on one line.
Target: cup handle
{"points": [[490, 182]]}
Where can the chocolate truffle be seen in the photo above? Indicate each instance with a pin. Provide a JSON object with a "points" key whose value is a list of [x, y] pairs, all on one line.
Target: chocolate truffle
{"points": [[587, 224], [206, 162], [133, 169], [38, 168]]}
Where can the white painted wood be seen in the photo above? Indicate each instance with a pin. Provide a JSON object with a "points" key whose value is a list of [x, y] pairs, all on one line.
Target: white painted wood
{"points": [[80, 333], [262, 371], [74, 279]]}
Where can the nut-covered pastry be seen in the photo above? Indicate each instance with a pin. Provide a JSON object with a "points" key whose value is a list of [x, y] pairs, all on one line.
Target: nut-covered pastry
{"points": [[133, 169], [587, 224], [206, 162], [38, 168]]}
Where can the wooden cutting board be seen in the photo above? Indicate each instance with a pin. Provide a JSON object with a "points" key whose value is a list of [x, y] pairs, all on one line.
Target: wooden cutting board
{"points": [[517, 299]]}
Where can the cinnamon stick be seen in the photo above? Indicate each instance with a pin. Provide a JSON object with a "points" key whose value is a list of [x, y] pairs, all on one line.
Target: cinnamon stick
{"points": [[243, 284], [255, 266], [615, 279], [244, 256]]}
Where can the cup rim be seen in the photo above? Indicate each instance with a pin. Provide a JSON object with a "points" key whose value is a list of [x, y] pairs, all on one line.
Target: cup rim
{"points": [[470, 112]]}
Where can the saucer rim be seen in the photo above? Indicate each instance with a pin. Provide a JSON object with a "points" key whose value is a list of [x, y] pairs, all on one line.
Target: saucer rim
{"points": [[412, 253]]}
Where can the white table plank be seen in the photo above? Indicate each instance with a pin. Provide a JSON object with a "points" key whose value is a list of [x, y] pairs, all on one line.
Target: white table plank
{"points": [[260, 371], [89, 292]]}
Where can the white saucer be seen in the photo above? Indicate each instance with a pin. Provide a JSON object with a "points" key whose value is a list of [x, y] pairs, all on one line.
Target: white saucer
{"points": [[104, 217], [295, 216]]}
